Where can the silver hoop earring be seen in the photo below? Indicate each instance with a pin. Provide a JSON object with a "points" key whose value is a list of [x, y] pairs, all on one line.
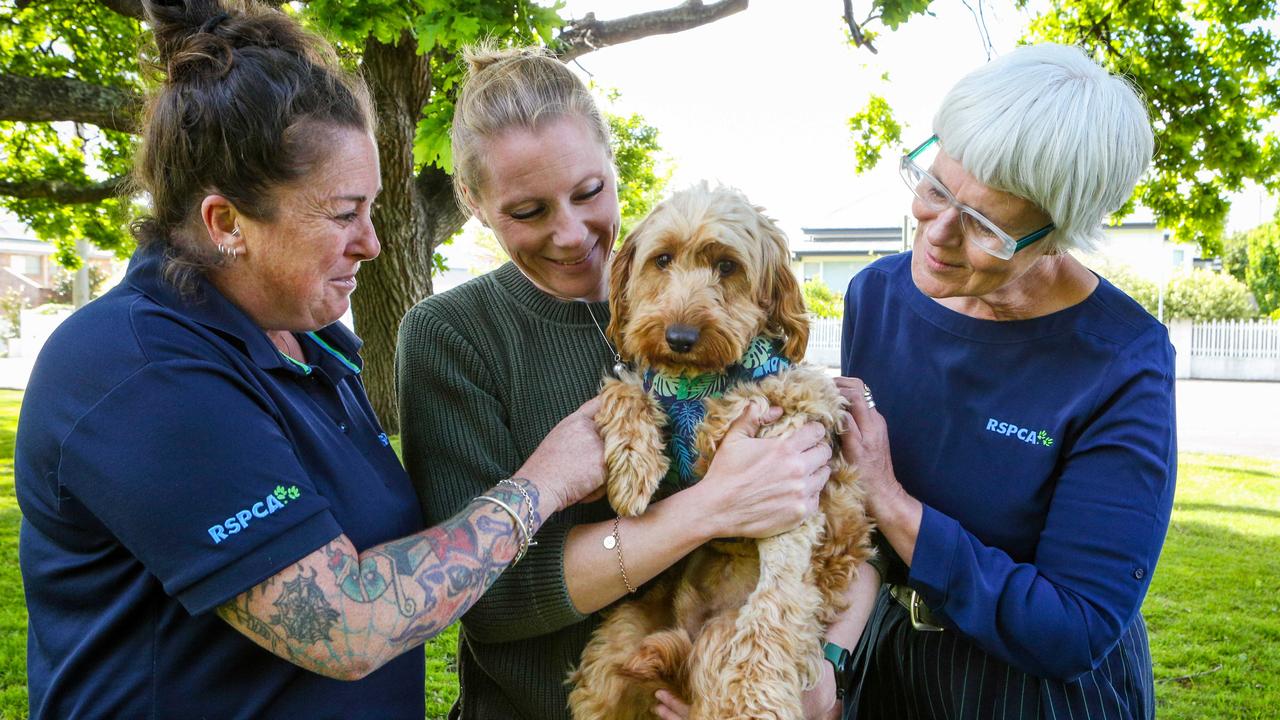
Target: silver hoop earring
{"points": [[228, 251]]}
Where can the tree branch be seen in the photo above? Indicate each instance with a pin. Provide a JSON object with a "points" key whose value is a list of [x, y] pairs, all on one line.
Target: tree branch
{"points": [[133, 8], [435, 188], [582, 36], [39, 99], [63, 192], [128, 8], [855, 31], [980, 19]]}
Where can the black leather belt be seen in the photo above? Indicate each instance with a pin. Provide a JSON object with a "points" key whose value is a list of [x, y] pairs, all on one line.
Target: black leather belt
{"points": [[921, 618]]}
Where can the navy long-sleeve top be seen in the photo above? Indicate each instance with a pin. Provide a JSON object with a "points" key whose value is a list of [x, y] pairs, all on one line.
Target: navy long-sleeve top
{"points": [[1043, 451]]}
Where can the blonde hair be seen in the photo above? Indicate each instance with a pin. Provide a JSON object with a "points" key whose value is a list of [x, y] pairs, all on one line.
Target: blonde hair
{"points": [[513, 88]]}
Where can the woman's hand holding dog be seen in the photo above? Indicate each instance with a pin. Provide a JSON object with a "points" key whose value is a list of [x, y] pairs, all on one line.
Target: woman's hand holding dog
{"points": [[759, 487], [865, 445], [568, 465]]}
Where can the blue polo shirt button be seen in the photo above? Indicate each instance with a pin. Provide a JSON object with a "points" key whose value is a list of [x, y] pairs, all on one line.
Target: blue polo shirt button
{"points": [[342, 426], [1139, 573]]}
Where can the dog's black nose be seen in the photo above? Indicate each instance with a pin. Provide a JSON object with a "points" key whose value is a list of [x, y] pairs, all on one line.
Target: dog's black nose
{"points": [[681, 338]]}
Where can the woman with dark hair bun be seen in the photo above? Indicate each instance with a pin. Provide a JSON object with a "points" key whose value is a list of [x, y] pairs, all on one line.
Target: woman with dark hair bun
{"points": [[214, 523]]}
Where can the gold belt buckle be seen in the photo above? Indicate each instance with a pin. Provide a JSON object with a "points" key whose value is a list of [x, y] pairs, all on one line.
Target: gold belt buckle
{"points": [[916, 615]]}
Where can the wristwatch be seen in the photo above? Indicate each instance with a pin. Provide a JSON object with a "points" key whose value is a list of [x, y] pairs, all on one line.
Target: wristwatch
{"points": [[839, 659]]}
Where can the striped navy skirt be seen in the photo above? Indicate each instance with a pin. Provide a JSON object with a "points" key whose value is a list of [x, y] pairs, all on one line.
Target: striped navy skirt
{"points": [[907, 674]]}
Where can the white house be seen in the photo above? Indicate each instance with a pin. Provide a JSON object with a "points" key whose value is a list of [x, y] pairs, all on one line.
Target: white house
{"points": [[836, 254], [27, 267]]}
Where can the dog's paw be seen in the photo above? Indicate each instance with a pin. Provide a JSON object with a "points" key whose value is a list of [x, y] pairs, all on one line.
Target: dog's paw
{"points": [[635, 471], [636, 468], [630, 496], [631, 424]]}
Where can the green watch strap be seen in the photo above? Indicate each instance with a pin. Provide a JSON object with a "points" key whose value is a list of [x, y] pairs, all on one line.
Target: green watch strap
{"points": [[839, 659]]}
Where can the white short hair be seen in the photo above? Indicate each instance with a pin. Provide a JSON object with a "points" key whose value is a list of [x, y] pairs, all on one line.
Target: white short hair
{"points": [[1047, 124]]}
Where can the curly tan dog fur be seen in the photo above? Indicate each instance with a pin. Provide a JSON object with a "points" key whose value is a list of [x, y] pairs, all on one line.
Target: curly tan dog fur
{"points": [[736, 628]]}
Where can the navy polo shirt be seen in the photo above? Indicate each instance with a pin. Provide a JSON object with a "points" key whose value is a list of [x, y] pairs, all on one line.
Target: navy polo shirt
{"points": [[168, 459]]}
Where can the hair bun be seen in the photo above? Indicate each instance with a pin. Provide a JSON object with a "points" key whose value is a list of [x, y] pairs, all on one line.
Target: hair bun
{"points": [[197, 38], [176, 22], [486, 54]]}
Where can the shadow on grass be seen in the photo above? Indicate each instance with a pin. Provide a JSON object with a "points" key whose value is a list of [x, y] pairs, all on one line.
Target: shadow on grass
{"points": [[1241, 471], [1239, 509]]}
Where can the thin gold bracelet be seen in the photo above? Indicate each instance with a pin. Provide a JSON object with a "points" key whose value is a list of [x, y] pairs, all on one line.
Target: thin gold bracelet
{"points": [[614, 542]]}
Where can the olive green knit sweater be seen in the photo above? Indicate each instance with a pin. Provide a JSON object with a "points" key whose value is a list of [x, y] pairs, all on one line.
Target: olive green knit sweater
{"points": [[484, 372]]}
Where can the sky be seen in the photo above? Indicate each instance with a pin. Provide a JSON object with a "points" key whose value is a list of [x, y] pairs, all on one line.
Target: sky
{"points": [[761, 100]]}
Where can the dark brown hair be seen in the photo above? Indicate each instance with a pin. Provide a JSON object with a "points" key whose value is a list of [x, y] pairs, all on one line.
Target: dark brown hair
{"points": [[247, 104]]}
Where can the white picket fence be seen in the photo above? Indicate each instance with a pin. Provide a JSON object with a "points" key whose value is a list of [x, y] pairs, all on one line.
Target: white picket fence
{"points": [[824, 342], [1222, 350], [1236, 339], [1227, 349]]}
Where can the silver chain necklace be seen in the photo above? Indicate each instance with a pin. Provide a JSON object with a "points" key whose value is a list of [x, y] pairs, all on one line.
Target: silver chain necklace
{"points": [[618, 365]]}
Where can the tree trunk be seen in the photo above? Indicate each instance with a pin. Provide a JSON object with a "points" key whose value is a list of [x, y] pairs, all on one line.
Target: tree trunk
{"points": [[412, 216]]}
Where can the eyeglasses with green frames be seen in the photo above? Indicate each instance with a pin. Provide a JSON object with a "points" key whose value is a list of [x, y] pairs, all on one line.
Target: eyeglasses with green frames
{"points": [[976, 228]]}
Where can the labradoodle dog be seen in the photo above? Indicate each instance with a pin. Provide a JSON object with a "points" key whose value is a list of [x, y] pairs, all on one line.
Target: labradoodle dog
{"points": [[707, 310]]}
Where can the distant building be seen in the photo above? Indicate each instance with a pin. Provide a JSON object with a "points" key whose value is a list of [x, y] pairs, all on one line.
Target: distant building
{"points": [[1146, 249], [27, 266], [836, 254]]}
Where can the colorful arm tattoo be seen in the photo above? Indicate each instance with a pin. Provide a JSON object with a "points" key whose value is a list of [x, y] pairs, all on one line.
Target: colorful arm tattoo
{"points": [[344, 614]]}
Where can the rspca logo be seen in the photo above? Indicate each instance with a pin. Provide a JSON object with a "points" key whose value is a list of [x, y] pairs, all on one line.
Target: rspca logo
{"points": [[1027, 435], [278, 498]]}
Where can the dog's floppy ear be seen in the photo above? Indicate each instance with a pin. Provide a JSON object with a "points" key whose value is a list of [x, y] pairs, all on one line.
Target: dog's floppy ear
{"points": [[783, 298], [619, 280]]}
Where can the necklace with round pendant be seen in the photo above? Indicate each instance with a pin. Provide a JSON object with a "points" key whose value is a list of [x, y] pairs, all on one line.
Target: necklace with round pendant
{"points": [[618, 365]]}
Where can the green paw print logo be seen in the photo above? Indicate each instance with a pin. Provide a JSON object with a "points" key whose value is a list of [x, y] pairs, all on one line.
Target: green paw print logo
{"points": [[284, 494], [1044, 439]]}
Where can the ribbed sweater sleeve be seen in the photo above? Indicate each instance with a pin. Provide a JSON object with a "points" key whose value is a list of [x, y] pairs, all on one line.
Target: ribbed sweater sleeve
{"points": [[484, 372]]}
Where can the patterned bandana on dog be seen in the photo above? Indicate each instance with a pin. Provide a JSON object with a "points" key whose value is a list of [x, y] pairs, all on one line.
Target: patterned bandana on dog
{"points": [[683, 398]]}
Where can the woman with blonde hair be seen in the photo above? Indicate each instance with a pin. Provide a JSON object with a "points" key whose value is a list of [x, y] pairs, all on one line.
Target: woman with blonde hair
{"points": [[487, 369]]}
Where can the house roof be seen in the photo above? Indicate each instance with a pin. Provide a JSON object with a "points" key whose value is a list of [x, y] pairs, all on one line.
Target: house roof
{"points": [[848, 241], [852, 233], [801, 249], [865, 241]]}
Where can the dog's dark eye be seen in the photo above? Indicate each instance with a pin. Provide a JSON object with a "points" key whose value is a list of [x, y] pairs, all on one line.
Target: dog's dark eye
{"points": [[662, 261], [726, 267]]}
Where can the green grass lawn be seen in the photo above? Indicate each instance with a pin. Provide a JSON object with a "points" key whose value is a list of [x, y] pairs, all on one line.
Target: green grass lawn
{"points": [[1214, 607], [1213, 610]]}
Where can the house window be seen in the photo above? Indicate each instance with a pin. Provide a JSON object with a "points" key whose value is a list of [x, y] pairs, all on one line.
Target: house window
{"points": [[32, 265], [811, 270]]}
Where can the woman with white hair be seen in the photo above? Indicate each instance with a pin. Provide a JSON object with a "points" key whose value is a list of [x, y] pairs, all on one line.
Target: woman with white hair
{"points": [[1019, 451]]}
